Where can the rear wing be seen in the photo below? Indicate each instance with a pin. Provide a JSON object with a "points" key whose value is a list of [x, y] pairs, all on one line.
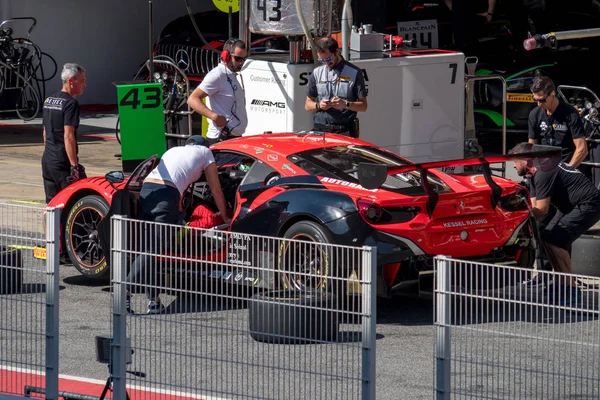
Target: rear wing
{"points": [[373, 176]]}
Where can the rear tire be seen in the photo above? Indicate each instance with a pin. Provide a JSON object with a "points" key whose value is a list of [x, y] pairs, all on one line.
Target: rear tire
{"points": [[81, 237], [295, 260]]}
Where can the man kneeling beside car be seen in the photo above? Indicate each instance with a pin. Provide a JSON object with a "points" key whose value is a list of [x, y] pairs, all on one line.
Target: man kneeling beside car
{"points": [[578, 209]]}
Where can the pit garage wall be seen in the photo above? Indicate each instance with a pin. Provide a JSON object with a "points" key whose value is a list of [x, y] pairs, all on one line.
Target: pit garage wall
{"points": [[108, 37]]}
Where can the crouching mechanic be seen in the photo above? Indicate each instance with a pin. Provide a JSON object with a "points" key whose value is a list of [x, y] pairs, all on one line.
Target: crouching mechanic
{"points": [[160, 201], [577, 202]]}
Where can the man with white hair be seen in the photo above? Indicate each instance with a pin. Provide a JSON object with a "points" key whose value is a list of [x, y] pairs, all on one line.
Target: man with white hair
{"points": [[60, 116]]}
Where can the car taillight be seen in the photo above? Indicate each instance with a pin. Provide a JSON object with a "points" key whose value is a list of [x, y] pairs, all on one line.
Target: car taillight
{"points": [[375, 214], [514, 202], [369, 210]]}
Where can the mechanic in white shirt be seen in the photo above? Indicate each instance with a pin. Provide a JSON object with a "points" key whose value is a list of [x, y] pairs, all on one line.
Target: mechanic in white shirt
{"points": [[224, 90], [160, 201]]}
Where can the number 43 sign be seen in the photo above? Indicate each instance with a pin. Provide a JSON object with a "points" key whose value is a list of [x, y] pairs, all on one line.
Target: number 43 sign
{"points": [[141, 119]]}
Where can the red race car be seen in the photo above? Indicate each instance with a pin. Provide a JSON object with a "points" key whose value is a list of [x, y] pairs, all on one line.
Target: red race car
{"points": [[333, 189]]}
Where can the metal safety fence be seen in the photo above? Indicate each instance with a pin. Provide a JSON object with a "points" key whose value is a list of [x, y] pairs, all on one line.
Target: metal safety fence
{"points": [[28, 299], [196, 315], [512, 333]]}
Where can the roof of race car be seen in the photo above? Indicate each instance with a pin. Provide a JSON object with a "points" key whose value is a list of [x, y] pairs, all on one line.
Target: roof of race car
{"points": [[274, 149]]}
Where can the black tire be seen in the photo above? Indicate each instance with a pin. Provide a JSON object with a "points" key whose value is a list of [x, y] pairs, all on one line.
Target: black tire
{"points": [[296, 257], [11, 270], [585, 254], [118, 130], [81, 237], [286, 317]]}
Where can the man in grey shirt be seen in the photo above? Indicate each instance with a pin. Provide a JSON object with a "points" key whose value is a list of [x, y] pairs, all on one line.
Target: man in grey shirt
{"points": [[336, 91]]}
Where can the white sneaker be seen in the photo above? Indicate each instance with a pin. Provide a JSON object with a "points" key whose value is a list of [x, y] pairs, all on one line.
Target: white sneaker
{"points": [[155, 307]]}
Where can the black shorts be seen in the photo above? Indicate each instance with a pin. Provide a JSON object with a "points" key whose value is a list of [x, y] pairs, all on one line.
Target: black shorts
{"points": [[564, 229]]}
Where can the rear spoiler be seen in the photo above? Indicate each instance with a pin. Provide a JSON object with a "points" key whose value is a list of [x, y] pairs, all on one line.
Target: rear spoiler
{"points": [[373, 176]]}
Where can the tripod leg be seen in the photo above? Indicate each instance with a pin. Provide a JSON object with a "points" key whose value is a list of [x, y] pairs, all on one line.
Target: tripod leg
{"points": [[106, 387]]}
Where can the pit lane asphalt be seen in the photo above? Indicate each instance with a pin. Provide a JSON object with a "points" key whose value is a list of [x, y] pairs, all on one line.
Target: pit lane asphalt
{"points": [[405, 331]]}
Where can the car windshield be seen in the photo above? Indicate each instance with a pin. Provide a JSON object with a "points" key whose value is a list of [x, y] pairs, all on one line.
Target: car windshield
{"points": [[341, 162]]}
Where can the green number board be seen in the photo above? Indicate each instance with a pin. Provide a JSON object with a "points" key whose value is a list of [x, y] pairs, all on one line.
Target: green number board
{"points": [[142, 122]]}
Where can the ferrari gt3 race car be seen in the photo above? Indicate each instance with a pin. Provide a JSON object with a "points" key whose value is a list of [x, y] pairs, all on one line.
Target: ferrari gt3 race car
{"points": [[332, 189]]}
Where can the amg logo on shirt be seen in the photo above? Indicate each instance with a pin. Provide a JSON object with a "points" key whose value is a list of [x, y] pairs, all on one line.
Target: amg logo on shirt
{"points": [[267, 103]]}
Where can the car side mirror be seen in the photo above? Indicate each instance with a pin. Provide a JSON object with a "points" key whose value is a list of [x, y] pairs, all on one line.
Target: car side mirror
{"points": [[115, 176]]}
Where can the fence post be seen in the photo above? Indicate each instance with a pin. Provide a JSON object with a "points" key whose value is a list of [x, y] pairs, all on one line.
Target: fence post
{"points": [[119, 270], [369, 322], [52, 304], [443, 342]]}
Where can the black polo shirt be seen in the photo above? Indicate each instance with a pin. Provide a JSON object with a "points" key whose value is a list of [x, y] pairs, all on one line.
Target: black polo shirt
{"points": [[345, 81], [558, 129]]}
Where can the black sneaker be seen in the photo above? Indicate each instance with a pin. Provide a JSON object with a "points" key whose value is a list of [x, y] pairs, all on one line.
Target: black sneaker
{"points": [[539, 281]]}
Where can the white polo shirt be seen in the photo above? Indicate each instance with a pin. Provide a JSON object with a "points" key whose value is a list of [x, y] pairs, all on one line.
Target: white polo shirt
{"points": [[226, 97]]}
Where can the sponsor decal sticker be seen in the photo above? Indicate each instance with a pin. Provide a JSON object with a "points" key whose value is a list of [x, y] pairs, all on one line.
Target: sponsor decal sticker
{"points": [[519, 97], [345, 183], [469, 222], [289, 168]]}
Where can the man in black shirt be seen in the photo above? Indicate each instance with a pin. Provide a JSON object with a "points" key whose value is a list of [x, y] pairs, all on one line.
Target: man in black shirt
{"points": [[577, 203], [555, 123], [336, 91], [60, 165]]}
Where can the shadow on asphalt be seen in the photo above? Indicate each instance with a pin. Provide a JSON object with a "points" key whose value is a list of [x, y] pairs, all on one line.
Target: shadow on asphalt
{"points": [[80, 280]]}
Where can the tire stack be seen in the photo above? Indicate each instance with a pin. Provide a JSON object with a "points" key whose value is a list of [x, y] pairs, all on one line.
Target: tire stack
{"points": [[293, 317], [11, 270]]}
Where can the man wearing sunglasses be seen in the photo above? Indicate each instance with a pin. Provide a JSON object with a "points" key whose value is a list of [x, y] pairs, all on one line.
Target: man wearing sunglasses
{"points": [[554, 123], [224, 90], [336, 91]]}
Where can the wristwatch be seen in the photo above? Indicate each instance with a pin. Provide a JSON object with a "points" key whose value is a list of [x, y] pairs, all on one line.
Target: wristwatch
{"points": [[347, 104]]}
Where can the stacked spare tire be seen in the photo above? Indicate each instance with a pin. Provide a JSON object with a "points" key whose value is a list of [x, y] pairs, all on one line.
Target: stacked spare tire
{"points": [[11, 270], [293, 317]]}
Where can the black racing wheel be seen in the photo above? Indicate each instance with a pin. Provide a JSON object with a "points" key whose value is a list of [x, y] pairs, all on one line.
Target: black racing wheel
{"points": [[303, 266], [81, 236]]}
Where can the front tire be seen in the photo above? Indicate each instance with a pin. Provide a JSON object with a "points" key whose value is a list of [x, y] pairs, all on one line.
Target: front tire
{"points": [[81, 237]]}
